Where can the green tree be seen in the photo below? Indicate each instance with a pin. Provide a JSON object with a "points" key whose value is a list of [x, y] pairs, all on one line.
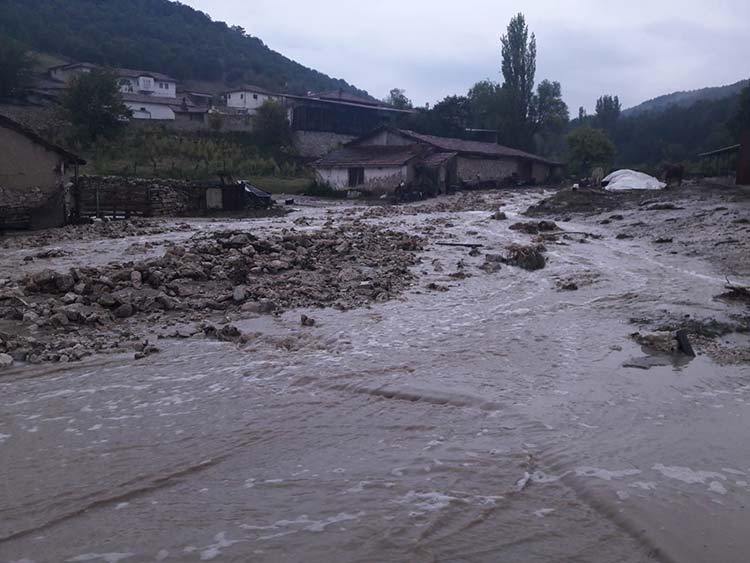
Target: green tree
{"points": [[16, 65], [589, 148], [519, 71], [485, 104], [94, 106], [550, 118], [271, 126], [608, 109], [741, 122], [397, 98]]}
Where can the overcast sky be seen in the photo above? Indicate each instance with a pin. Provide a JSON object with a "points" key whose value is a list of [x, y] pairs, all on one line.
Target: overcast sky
{"points": [[433, 48]]}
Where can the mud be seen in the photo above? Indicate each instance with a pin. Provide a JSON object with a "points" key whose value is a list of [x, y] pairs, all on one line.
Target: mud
{"points": [[351, 390]]}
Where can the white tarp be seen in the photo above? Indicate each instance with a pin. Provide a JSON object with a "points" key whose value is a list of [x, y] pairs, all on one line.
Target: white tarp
{"points": [[632, 180]]}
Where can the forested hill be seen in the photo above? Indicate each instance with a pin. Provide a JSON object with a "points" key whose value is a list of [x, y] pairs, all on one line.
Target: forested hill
{"points": [[157, 35], [688, 98]]}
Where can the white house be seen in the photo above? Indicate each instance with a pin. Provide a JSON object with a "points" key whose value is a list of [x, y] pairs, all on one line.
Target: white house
{"points": [[146, 83], [250, 98], [65, 73]]}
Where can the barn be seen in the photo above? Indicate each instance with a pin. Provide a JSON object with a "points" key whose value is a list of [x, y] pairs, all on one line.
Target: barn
{"points": [[435, 161]]}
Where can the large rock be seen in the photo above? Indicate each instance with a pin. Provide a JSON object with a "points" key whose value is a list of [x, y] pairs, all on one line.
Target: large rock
{"points": [[239, 295], [124, 311], [6, 360], [526, 257]]}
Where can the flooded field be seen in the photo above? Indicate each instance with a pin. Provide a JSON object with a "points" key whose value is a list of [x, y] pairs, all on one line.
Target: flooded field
{"points": [[480, 414]]}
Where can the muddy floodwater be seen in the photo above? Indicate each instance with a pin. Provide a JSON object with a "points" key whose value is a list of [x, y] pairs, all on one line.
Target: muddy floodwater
{"points": [[495, 418]]}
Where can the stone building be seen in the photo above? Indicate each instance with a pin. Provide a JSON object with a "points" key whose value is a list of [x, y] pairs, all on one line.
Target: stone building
{"points": [[437, 163], [35, 191]]}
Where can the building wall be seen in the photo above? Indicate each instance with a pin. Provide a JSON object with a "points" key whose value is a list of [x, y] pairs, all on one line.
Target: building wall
{"points": [[469, 169], [145, 110], [315, 144], [33, 178], [66, 75], [153, 86], [25, 164], [248, 100], [377, 180], [540, 172]]}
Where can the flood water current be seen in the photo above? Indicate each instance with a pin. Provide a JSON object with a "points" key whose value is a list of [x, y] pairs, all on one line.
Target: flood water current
{"points": [[492, 422]]}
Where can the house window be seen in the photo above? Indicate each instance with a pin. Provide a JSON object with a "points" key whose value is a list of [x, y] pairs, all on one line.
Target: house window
{"points": [[148, 83], [242, 96], [255, 96], [356, 177]]}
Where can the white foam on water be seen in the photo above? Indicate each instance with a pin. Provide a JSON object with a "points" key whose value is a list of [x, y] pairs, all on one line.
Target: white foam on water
{"points": [[214, 550], [606, 474], [687, 475], [106, 557], [541, 513], [429, 502], [716, 487], [162, 555], [4, 437], [122, 505], [645, 485]]}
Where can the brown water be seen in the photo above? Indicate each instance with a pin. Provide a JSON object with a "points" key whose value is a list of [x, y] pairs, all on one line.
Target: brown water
{"points": [[493, 422]]}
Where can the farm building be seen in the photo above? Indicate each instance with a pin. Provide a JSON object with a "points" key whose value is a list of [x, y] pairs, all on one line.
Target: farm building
{"points": [[435, 162], [34, 173]]}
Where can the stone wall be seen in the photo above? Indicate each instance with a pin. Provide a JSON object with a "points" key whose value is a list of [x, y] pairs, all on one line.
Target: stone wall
{"points": [[119, 196], [315, 144], [468, 169]]}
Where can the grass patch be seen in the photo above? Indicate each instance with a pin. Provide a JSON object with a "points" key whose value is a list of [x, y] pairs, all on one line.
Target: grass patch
{"points": [[278, 185], [322, 190]]}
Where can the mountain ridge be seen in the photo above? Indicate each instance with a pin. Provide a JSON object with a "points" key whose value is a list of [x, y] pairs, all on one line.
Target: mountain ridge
{"points": [[686, 98], [159, 36]]}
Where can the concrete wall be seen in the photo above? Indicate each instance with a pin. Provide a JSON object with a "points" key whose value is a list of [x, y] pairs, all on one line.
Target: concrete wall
{"points": [[145, 110], [377, 180], [315, 144], [486, 169], [26, 164], [540, 172], [32, 178], [248, 100], [337, 178]]}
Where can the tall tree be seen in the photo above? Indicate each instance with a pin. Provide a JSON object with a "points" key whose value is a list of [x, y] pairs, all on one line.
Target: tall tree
{"points": [[94, 106], [741, 122], [16, 65], [519, 71], [550, 118], [397, 98], [608, 109], [484, 105]]}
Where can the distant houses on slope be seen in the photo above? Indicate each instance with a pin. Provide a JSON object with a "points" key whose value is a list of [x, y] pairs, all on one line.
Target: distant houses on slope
{"points": [[319, 121]]}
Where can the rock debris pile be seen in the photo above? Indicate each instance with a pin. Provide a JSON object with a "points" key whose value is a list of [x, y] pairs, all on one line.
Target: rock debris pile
{"points": [[64, 316]]}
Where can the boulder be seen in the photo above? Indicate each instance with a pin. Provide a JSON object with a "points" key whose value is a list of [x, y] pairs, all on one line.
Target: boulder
{"points": [[6, 360]]}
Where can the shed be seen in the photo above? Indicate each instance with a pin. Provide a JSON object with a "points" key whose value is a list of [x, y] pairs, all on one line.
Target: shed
{"points": [[34, 173], [375, 169]]}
